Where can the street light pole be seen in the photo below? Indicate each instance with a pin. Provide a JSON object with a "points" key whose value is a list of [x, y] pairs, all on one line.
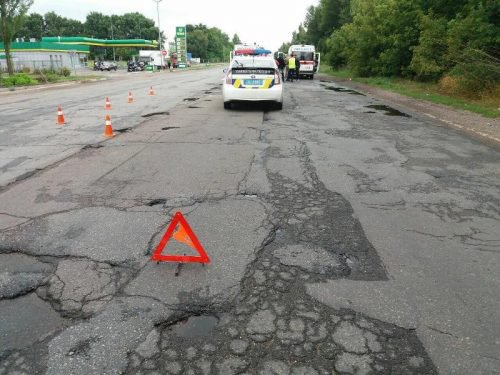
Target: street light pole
{"points": [[159, 29], [112, 38]]}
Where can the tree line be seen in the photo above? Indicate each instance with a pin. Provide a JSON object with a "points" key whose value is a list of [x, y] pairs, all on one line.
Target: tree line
{"points": [[207, 43], [96, 25], [454, 41]]}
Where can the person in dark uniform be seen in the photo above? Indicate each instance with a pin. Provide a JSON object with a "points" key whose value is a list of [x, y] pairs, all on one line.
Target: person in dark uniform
{"points": [[281, 66], [297, 68]]}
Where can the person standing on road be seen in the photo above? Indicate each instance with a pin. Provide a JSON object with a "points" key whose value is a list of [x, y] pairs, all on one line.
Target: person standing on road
{"points": [[281, 66], [297, 68], [169, 63], [291, 68]]}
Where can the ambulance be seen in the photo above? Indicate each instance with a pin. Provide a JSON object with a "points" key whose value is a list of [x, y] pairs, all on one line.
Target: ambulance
{"points": [[308, 57]]}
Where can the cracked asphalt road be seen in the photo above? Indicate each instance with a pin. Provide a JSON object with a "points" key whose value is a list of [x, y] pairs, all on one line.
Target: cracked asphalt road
{"points": [[342, 241]]}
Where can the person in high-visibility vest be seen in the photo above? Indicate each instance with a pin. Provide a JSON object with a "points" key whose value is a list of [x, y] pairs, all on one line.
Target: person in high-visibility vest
{"points": [[291, 68]]}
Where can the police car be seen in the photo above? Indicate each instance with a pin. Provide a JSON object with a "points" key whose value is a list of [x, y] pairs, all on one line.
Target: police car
{"points": [[252, 76]]}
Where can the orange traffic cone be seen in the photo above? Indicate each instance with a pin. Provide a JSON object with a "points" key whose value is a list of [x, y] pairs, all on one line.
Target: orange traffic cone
{"points": [[130, 97], [108, 104], [60, 116], [108, 129], [151, 91]]}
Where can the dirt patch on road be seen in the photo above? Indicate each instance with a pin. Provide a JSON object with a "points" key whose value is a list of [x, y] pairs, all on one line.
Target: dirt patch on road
{"points": [[487, 129]]}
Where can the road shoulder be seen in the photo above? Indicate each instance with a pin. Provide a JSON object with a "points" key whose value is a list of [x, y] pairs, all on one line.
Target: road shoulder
{"points": [[475, 125]]}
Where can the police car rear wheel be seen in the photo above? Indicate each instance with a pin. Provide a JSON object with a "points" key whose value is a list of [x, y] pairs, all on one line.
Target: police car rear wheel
{"points": [[227, 105]]}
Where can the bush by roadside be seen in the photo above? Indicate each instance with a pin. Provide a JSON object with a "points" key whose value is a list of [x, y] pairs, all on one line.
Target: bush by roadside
{"points": [[18, 79], [40, 76]]}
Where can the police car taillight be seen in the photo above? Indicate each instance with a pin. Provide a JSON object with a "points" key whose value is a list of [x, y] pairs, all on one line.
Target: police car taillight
{"points": [[229, 78], [277, 78]]}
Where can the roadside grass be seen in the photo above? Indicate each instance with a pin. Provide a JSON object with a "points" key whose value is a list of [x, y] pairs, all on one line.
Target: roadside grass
{"points": [[486, 106]]}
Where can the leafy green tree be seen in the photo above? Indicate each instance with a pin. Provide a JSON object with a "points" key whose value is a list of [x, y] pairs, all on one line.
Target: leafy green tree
{"points": [[337, 46], [312, 25], [197, 43], [12, 14], [321, 21], [477, 28], [97, 25], [300, 36], [56, 25], [447, 9], [33, 27], [284, 47], [236, 39], [333, 14], [208, 43], [380, 38], [456, 41], [429, 59], [473, 41], [137, 26], [200, 26], [218, 44]]}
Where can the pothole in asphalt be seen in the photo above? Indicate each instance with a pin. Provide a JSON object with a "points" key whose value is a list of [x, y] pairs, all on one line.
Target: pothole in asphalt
{"points": [[274, 325], [82, 347], [170, 127], [156, 202], [190, 99], [124, 130], [86, 147], [343, 89], [370, 112], [164, 113], [208, 92], [389, 111], [194, 326], [193, 106]]}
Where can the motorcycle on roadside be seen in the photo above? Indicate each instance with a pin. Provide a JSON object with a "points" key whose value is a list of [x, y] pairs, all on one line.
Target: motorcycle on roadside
{"points": [[132, 66], [135, 66]]}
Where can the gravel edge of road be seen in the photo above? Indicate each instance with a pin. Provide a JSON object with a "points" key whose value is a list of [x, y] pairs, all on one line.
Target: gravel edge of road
{"points": [[469, 123]]}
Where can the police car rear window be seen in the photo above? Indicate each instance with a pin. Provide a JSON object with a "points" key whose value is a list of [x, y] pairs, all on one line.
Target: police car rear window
{"points": [[252, 63]]}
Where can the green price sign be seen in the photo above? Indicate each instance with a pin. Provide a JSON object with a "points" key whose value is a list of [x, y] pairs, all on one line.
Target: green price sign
{"points": [[181, 44]]}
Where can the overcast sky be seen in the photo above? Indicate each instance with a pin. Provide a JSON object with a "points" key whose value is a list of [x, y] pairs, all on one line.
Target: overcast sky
{"points": [[266, 22]]}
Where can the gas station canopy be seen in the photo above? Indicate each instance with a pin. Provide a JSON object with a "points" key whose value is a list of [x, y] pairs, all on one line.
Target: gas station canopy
{"points": [[101, 42]]}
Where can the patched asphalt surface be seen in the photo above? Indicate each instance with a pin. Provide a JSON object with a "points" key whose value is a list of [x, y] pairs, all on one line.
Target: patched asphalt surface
{"points": [[343, 238]]}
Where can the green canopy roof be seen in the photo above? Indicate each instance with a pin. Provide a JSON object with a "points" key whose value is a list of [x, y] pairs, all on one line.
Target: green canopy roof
{"points": [[77, 40], [46, 46]]}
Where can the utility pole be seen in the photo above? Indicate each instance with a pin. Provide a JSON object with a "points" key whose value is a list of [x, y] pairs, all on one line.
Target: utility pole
{"points": [[112, 38], [159, 29]]}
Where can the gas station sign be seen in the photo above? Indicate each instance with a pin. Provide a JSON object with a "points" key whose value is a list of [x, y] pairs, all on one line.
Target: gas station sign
{"points": [[181, 45]]}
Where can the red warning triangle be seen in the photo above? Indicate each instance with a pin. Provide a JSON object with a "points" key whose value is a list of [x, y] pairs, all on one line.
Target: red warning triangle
{"points": [[183, 234]]}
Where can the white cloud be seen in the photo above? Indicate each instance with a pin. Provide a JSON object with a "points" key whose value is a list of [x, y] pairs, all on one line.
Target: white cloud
{"points": [[268, 22]]}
